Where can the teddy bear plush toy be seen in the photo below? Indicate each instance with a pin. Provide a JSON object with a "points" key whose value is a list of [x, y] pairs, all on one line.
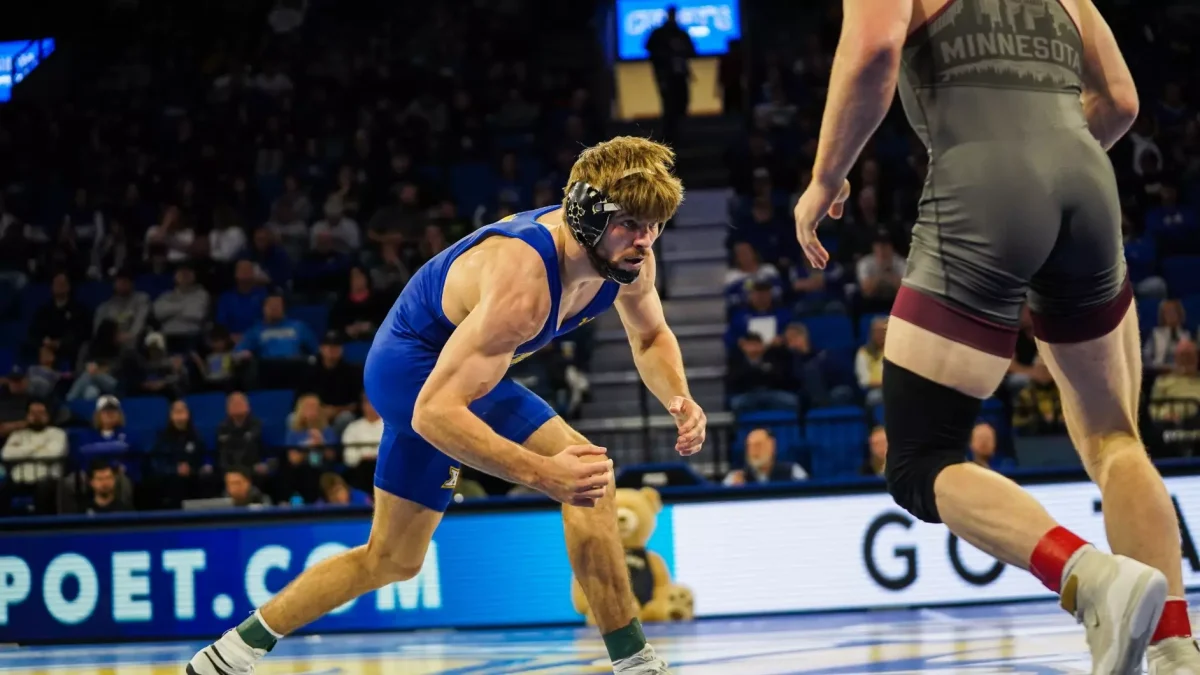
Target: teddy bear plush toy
{"points": [[658, 598]]}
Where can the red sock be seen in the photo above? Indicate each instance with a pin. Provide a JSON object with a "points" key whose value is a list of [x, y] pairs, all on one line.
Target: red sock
{"points": [[1051, 554], [1174, 622]]}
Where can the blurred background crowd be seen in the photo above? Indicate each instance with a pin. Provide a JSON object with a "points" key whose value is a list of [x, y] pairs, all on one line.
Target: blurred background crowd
{"points": [[198, 244]]}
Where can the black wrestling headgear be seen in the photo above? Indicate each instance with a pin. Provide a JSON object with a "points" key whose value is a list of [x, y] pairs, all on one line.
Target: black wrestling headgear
{"points": [[587, 214]]}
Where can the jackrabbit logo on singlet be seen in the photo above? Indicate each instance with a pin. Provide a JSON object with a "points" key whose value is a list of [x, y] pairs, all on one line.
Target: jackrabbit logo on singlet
{"points": [[1028, 44]]}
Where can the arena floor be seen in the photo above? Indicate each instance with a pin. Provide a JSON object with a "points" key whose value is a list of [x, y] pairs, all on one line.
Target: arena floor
{"points": [[1036, 639]]}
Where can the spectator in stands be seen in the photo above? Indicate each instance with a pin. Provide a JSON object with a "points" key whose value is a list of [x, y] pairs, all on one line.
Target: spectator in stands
{"points": [[227, 240], [762, 465], [240, 436], [62, 323], [183, 311], [360, 440], [811, 372], [879, 275], [308, 425], [158, 276], [218, 369], [360, 310], [762, 316], [179, 452], [241, 489], [14, 401], [39, 447], [277, 347], [759, 377], [174, 234], [811, 288], [323, 268], [107, 490], [128, 308], [276, 337], [746, 271], [112, 253], [400, 223], [877, 450], [99, 364], [1159, 352], [390, 273], [335, 491], [241, 307], [670, 49], [336, 383], [347, 238], [47, 375], [270, 259], [289, 230], [1038, 408], [868, 363], [295, 198], [157, 371], [1176, 395], [982, 450], [107, 435]]}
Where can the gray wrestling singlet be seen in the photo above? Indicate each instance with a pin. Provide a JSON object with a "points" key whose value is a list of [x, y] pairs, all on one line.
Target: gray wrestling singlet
{"points": [[1020, 197]]}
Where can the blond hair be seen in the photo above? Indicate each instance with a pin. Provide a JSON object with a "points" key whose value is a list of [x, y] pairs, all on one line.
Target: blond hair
{"points": [[635, 173], [301, 423]]}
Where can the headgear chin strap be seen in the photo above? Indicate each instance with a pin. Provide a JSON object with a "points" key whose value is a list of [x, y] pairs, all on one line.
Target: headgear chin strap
{"points": [[587, 214]]}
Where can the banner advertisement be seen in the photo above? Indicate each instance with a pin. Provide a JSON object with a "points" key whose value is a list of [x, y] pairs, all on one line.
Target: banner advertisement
{"points": [[863, 551], [746, 557], [711, 25]]}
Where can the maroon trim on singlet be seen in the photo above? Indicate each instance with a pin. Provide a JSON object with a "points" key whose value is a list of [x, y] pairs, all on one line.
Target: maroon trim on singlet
{"points": [[930, 19], [1094, 323], [954, 324]]}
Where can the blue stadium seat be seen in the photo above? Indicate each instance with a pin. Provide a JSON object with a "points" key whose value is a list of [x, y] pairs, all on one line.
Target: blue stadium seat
{"points": [[33, 296], [142, 438], [356, 352], [1181, 275], [830, 331], [8, 358], [837, 437], [1191, 305], [208, 434], [208, 409], [75, 436], [864, 327], [84, 409], [146, 412], [1141, 255], [316, 317], [1147, 313], [92, 294], [473, 184], [13, 333], [272, 404], [274, 434]]}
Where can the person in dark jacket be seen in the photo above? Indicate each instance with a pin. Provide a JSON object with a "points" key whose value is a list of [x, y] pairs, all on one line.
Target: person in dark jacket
{"points": [[240, 436], [180, 459]]}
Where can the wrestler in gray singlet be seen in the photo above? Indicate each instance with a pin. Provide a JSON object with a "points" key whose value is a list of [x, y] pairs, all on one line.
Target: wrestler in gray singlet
{"points": [[1020, 196]]}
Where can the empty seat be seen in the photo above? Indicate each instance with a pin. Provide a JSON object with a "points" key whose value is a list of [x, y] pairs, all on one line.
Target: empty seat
{"points": [[1182, 275], [356, 352], [272, 404], [830, 331], [316, 317], [836, 437], [208, 409]]}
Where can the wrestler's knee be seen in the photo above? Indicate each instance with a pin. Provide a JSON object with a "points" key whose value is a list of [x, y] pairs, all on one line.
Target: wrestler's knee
{"points": [[386, 565], [928, 428]]}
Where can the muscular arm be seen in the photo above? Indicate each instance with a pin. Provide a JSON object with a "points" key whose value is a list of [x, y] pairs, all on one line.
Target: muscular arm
{"points": [[1110, 100], [862, 83], [512, 309], [655, 349]]}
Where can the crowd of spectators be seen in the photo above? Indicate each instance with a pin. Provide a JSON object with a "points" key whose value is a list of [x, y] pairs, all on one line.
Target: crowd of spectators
{"points": [[220, 214], [801, 339]]}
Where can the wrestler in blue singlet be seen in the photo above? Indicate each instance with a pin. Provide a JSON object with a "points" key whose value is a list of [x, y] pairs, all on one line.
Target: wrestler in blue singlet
{"points": [[407, 346]]}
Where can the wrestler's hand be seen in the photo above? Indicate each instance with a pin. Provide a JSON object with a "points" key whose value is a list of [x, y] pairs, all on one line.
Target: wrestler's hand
{"points": [[691, 422], [817, 201], [579, 475]]}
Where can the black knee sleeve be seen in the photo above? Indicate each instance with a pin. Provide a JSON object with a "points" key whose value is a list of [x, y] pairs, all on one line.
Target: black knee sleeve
{"points": [[928, 428]]}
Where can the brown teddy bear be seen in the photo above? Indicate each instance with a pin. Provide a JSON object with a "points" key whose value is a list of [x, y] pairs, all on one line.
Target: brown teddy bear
{"points": [[658, 599]]}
